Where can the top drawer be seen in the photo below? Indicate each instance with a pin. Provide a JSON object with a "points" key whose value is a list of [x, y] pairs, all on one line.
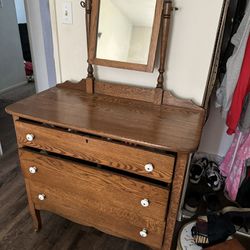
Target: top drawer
{"points": [[150, 164]]}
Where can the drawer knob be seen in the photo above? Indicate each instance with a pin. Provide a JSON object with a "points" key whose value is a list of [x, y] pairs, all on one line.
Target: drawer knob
{"points": [[149, 167], [41, 197], [32, 170], [145, 202], [30, 137], [144, 233]]}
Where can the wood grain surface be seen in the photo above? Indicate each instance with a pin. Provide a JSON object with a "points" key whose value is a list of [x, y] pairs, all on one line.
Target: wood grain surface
{"points": [[116, 222], [179, 174], [96, 185], [93, 197], [95, 150], [157, 126]]}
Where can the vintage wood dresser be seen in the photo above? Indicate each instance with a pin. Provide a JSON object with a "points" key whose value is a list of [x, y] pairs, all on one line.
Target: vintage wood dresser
{"points": [[106, 155]]}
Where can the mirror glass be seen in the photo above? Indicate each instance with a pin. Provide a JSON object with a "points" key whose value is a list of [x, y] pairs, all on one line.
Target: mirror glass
{"points": [[125, 29]]}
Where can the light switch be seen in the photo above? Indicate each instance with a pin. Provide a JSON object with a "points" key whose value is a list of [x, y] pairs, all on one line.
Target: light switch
{"points": [[67, 16]]}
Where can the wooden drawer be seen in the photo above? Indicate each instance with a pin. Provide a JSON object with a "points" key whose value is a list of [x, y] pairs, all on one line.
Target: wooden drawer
{"points": [[95, 197], [100, 151]]}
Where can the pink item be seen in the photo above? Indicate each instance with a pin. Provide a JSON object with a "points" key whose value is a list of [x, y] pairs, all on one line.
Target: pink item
{"points": [[28, 68], [233, 164]]}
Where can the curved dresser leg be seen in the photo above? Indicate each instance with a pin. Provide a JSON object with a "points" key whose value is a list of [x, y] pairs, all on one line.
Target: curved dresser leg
{"points": [[36, 219], [35, 214]]}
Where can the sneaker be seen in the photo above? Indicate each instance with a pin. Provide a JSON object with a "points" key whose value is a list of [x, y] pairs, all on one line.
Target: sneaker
{"points": [[197, 170], [212, 229], [212, 202], [193, 201], [213, 177], [240, 217]]}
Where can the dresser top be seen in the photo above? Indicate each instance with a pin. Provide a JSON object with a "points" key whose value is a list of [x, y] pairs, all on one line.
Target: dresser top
{"points": [[159, 126]]}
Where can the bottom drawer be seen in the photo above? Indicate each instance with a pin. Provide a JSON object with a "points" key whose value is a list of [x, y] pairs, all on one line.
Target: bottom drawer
{"points": [[110, 220]]}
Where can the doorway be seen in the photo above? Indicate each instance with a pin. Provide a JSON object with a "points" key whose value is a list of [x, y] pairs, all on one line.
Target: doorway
{"points": [[24, 38], [16, 71]]}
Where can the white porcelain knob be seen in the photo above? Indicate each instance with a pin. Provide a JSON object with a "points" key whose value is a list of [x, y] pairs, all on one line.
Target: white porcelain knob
{"points": [[41, 197], [30, 137], [144, 233], [32, 170], [145, 202], [149, 167]]}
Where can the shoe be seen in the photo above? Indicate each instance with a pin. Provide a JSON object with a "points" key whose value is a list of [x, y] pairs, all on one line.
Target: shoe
{"points": [[185, 238], [197, 170], [212, 201], [240, 217], [212, 229], [213, 177], [193, 201]]}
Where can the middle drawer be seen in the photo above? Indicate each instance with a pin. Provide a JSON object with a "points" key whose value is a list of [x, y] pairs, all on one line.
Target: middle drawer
{"points": [[96, 185]]}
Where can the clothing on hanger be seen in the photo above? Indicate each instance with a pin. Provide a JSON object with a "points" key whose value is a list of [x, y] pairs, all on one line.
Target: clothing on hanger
{"points": [[232, 167], [239, 40], [241, 91], [244, 124]]}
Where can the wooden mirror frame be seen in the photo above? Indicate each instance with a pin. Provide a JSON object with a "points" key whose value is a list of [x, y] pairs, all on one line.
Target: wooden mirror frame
{"points": [[157, 95], [149, 67]]}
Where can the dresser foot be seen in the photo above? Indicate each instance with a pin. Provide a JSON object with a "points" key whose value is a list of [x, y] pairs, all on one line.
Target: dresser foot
{"points": [[36, 220], [35, 214]]}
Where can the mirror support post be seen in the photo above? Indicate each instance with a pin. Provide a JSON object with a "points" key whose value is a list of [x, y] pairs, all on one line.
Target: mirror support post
{"points": [[87, 4], [165, 25]]}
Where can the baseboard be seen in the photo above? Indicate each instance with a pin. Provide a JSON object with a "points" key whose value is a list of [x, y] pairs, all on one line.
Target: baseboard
{"points": [[12, 87]]}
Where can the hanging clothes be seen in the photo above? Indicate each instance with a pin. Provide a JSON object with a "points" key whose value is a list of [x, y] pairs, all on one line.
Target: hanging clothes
{"points": [[239, 40], [232, 167], [241, 91], [244, 124]]}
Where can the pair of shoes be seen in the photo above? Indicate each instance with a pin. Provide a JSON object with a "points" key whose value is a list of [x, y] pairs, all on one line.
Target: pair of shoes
{"points": [[240, 217], [208, 169], [194, 199], [212, 229]]}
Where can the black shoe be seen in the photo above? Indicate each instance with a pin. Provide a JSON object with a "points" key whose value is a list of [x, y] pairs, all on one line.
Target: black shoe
{"points": [[213, 177], [212, 229], [238, 216], [197, 170], [213, 203], [193, 201]]}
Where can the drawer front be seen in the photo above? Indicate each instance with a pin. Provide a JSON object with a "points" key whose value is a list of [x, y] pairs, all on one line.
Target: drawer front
{"points": [[95, 185], [132, 159], [94, 197], [108, 219]]}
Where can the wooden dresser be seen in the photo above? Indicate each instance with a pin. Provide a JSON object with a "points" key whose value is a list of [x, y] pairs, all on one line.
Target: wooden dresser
{"points": [[110, 156], [114, 163]]}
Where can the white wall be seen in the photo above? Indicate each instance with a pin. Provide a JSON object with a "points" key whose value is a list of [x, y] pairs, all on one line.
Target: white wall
{"points": [[40, 35], [214, 139], [193, 34], [11, 58], [20, 11]]}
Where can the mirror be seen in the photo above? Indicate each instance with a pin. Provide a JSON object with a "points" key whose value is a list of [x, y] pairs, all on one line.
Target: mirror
{"points": [[125, 33]]}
